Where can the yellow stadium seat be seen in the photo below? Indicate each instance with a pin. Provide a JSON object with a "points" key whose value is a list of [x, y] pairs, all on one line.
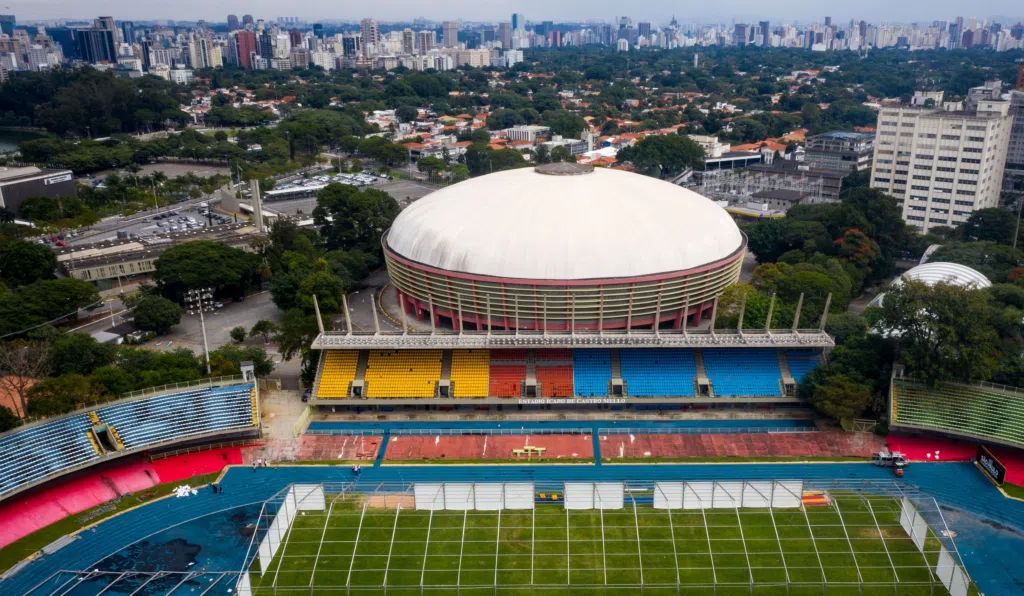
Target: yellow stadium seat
{"points": [[338, 372], [402, 373], [470, 373]]}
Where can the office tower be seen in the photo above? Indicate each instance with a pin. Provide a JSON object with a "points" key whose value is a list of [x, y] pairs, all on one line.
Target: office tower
{"points": [[518, 21], [505, 34], [425, 41], [318, 31], [351, 45], [764, 33], [644, 29], [128, 32], [96, 45], [245, 48], [944, 163], [450, 34], [266, 44], [7, 24], [66, 38], [408, 41], [828, 21], [555, 38], [144, 49], [233, 23], [1020, 77], [369, 34], [1015, 150], [247, 21], [489, 34], [740, 34], [295, 37]]}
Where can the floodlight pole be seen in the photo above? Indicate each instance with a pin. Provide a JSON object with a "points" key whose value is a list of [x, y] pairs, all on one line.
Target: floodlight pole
{"points": [[348, 318], [799, 307], [201, 297], [771, 312]]}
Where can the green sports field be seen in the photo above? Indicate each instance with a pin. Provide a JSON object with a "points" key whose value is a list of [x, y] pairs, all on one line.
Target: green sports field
{"points": [[853, 546]]}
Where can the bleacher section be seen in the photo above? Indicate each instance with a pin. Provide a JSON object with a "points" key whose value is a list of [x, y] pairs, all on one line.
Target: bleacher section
{"points": [[584, 372], [402, 373], [956, 409], [507, 373], [554, 372], [742, 372], [172, 416], [592, 371], [47, 449], [39, 451], [470, 373], [663, 372], [338, 372], [801, 362]]}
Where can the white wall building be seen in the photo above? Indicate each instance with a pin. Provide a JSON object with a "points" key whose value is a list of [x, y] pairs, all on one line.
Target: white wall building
{"points": [[942, 164]]}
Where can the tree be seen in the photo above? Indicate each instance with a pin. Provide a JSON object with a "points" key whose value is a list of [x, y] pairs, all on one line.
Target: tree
{"points": [[238, 334], [80, 353], [22, 263], [263, 327], [994, 224], [559, 154], [664, 156], [202, 263], [59, 395], [8, 419], [406, 113], [22, 364], [44, 301], [840, 398], [296, 332], [431, 164], [996, 261], [349, 218], [328, 289], [227, 360], [942, 332], [157, 314]]}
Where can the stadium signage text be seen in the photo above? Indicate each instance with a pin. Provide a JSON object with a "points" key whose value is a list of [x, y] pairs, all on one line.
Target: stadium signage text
{"points": [[540, 401], [992, 466]]}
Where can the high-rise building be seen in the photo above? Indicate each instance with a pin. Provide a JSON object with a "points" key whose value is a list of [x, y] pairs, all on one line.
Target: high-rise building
{"points": [[369, 33], [247, 21], [644, 29], [96, 45], [7, 24], [318, 30], [941, 163], [233, 23], [505, 34], [408, 41], [765, 34], [245, 48], [741, 32], [518, 21], [1020, 77], [450, 34], [425, 40], [295, 37], [128, 32], [1015, 150]]}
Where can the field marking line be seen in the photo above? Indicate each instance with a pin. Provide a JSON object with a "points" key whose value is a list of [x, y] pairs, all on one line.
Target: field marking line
{"points": [[675, 552], [462, 542], [497, 538], [391, 547], [707, 534], [860, 577], [775, 526], [881, 536], [426, 547], [327, 521], [533, 539], [814, 543], [639, 550], [355, 547], [743, 538], [604, 555]]}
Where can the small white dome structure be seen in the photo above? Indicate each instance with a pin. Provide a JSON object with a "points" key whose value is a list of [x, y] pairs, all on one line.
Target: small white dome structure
{"points": [[938, 272]]}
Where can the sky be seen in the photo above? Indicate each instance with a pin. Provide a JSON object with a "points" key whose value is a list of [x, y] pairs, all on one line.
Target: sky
{"points": [[655, 11]]}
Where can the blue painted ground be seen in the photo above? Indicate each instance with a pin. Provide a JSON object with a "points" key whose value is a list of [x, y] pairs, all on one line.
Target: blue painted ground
{"points": [[987, 524], [468, 427]]}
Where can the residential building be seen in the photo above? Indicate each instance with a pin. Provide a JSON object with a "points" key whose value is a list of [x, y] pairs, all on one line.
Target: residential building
{"points": [[408, 41], [505, 34], [7, 24], [425, 41], [1015, 149], [942, 163], [526, 132], [233, 23], [518, 21], [512, 57], [848, 151], [369, 34], [181, 76], [245, 48]]}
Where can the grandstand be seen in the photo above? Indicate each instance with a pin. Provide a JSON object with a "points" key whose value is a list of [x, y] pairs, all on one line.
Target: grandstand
{"points": [[628, 373], [41, 451], [703, 537], [984, 412]]}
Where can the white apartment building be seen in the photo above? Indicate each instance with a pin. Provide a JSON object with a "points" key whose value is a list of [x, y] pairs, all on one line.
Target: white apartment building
{"points": [[941, 164]]}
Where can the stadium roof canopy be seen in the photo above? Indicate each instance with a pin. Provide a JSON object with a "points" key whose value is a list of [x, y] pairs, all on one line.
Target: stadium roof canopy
{"points": [[564, 221]]}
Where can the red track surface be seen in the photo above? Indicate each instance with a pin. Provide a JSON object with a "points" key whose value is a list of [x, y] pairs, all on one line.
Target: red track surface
{"points": [[24, 514], [314, 448], [487, 447], [740, 445]]}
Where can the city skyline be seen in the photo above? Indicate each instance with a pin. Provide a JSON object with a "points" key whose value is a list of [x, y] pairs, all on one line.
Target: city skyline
{"points": [[406, 10]]}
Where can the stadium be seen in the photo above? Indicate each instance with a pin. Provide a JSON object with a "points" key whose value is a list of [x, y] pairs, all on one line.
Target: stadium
{"points": [[531, 424]]}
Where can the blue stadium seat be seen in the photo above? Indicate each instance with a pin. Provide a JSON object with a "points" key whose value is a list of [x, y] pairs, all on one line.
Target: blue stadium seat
{"points": [[801, 362], [178, 415], [652, 372], [592, 371], [38, 451], [743, 372]]}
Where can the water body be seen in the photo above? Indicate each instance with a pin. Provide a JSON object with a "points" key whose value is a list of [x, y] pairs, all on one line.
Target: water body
{"points": [[9, 139]]}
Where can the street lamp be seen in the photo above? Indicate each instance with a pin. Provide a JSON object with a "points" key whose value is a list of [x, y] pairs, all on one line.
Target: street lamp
{"points": [[200, 300]]}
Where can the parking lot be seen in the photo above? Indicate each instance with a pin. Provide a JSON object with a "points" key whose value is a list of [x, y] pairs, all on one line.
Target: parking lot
{"points": [[403, 191]]}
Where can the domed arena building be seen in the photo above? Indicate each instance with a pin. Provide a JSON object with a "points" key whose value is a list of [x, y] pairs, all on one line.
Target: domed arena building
{"points": [[563, 247]]}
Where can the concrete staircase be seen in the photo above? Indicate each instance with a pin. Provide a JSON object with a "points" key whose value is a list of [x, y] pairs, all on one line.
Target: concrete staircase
{"points": [[617, 372]]}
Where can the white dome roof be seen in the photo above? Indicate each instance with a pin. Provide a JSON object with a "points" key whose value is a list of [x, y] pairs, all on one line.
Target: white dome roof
{"points": [[570, 223], [953, 273]]}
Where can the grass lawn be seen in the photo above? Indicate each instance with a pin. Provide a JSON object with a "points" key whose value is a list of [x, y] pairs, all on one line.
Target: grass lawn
{"points": [[11, 554], [551, 550], [1012, 490]]}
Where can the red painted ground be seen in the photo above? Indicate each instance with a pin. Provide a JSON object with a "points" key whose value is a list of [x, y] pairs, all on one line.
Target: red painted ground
{"points": [[314, 448], [928, 449], [740, 445], [486, 447], [29, 512]]}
